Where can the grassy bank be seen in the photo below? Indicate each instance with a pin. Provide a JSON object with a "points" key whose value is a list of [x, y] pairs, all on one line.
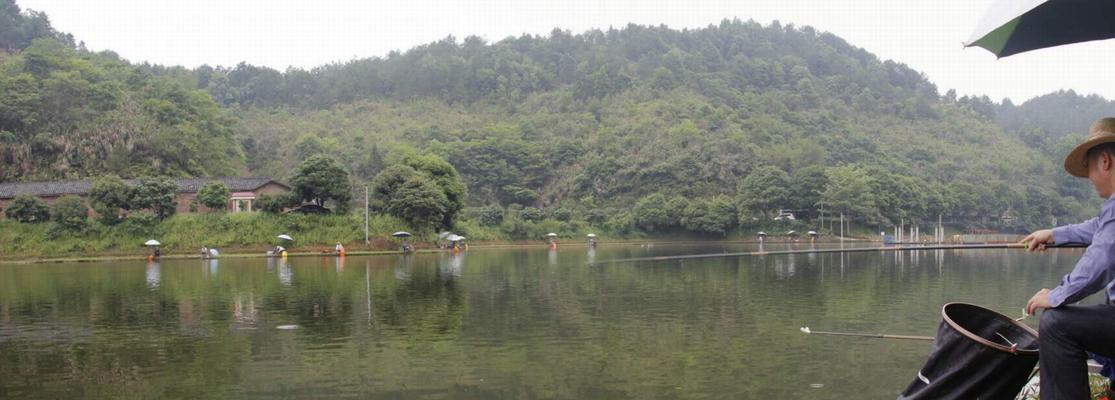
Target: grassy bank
{"points": [[187, 233], [252, 233]]}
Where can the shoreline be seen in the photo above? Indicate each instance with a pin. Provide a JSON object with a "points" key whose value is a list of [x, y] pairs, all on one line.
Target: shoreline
{"points": [[253, 252]]}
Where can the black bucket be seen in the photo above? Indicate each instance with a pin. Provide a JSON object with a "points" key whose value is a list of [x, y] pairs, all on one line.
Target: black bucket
{"points": [[977, 354]]}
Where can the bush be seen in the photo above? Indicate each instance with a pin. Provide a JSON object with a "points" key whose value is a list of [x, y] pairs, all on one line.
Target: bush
{"points": [[156, 194], [70, 212], [214, 195], [141, 223], [621, 223], [531, 214], [563, 214], [488, 216], [596, 216], [275, 203], [27, 208], [107, 196]]}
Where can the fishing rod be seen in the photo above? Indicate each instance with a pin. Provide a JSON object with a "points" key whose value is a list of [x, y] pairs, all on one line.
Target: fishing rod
{"points": [[806, 330], [841, 250]]}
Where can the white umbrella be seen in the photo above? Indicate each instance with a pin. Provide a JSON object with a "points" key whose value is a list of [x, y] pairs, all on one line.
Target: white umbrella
{"points": [[1015, 26], [761, 233], [453, 238], [460, 238], [401, 234], [152, 242], [812, 233], [285, 237], [443, 235], [591, 235], [551, 234]]}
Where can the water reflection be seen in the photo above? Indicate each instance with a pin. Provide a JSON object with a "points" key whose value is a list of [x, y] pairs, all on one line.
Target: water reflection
{"points": [[496, 325], [286, 274], [402, 269], [154, 275], [212, 266], [450, 265]]}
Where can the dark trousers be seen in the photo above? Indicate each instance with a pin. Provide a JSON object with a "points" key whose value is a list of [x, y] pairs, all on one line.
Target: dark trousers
{"points": [[1065, 335]]}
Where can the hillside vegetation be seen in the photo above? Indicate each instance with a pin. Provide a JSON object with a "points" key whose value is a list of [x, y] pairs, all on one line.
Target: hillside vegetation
{"points": [[643, 128]]}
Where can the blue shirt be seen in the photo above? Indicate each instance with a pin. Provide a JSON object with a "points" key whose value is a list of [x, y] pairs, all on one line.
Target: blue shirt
{"points": [[1096, 269]]}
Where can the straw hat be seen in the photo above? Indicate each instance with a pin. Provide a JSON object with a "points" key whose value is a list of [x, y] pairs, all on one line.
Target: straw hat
{"points": [[1103, 131]]}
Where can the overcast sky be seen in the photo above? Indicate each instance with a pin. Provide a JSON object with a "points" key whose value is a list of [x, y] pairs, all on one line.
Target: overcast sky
{"points": [[927, 35]]}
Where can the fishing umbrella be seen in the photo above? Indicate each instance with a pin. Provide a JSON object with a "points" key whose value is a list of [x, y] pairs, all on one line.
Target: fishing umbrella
{"points": [[401, 234], [591, 235], [285, 237], [551, 234], [1014, 26], [761, 233], [152, 242], [812, 233]]}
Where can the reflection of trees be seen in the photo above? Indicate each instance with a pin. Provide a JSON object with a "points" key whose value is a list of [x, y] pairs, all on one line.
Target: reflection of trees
{"points": [[527, 329]]}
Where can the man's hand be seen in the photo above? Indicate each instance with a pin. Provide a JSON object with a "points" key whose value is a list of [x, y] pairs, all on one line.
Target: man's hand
{"points": [[1040, 300], [1038, 240]]}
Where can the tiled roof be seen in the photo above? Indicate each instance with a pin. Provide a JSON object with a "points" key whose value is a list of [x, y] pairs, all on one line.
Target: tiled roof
{"points": [[58, 188]]}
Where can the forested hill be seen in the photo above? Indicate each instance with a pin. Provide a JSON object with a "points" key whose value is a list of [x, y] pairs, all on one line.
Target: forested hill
{"points": [[66, 112], [737, 118], [1055, 122]]}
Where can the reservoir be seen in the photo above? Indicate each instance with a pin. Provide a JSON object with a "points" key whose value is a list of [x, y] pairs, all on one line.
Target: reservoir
{"points": [[516, 323]]}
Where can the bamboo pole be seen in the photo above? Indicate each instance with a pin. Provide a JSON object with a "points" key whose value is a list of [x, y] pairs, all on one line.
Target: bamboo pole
{"points": [[840, 250]]}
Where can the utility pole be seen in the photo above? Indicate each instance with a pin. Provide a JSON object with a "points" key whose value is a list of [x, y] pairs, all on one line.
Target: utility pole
{"points": [[365, 215]]}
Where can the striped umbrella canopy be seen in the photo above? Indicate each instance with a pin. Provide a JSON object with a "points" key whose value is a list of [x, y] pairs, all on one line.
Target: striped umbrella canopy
{"points": [[1015, 26]]}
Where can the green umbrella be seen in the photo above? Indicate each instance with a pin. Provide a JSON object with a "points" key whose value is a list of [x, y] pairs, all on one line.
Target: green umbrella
{"points": [[1015, 26]]}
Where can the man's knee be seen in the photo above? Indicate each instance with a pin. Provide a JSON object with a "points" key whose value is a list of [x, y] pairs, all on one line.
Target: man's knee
{"points": [[1051, 320]]}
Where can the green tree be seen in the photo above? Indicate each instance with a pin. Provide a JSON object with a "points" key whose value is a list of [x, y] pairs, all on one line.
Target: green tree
{"points": [[386, 183], [441, 173], [650, 213], [766, 189], [715, 216], [319, 179], [159, 195], [70, 212], [849, 191], [108, 195], [491, 215], [275, 203], [420, 202], [27, 208], [214, 195], [531, 214]]}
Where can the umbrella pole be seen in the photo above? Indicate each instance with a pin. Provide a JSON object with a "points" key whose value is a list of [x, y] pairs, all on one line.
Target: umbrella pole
{"points": [[806, 330]]}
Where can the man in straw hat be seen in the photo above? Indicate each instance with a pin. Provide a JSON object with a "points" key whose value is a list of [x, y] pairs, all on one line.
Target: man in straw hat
{"points": [[1068, 331]]}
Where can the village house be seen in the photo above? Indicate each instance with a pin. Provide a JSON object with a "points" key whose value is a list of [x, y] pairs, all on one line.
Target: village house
{"points": [[243, 191]]}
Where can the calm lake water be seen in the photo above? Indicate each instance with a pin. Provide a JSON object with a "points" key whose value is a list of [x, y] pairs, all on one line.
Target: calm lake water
{"points": [[489, 324]]}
